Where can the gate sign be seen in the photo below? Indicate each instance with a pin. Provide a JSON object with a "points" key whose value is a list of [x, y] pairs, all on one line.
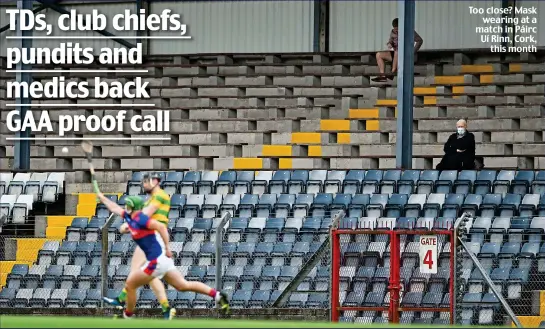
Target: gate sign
{"points": [[428, 254]]}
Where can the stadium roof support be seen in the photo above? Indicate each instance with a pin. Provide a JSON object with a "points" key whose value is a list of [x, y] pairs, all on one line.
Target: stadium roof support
{"points": [[53, 5], [22, 147], [405, 83], [35, 11]]}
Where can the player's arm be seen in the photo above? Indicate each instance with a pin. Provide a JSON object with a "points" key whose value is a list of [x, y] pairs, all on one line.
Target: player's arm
{"points": [[163, 232], [112, 206]]}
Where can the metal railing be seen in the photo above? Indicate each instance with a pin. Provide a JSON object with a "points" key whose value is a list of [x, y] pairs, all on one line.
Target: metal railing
{"points": [[104, 263], [219, 245]]}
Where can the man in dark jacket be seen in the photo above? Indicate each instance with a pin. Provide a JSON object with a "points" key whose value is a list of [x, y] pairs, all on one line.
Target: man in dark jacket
{"points": [[459, 150]]}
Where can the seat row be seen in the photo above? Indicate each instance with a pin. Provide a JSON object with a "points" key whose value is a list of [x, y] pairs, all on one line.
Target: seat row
{"points": [[350, 182], [43, 187]]}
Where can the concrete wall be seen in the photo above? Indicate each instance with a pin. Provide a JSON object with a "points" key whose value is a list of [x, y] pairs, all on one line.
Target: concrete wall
{"points": [[239, 27], [365, 25], [109, 9]]}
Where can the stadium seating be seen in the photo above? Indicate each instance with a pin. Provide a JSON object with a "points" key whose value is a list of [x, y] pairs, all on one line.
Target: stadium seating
{"points": [[19, 192], [305, 111], [273, 232]]}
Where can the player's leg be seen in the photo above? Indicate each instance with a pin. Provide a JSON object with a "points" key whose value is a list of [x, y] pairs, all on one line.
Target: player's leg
{"points": [[135, 280], [159, 289], [137, 261], [175, 279]]}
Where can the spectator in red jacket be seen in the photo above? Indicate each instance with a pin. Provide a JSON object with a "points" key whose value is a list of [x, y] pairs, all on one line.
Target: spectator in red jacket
{"points": [[391, 54]]}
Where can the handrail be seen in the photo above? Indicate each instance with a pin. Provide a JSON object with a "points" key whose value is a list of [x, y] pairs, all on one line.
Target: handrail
{"points": [[219, 245]]}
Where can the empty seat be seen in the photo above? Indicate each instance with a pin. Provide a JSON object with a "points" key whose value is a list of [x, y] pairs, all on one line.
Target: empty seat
{"points": [[484, 181], [353, 181], [298, 182], [243, 183], [464, 183], [278, 183], [334, 181], [407, 182], [522, 181], [207, 182], [371, 181], [226, 182]]}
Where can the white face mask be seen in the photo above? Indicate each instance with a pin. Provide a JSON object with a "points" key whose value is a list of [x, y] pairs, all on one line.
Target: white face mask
{"points": [[461, 131]]}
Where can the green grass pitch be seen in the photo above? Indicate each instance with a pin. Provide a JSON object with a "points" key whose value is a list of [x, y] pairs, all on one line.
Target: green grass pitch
{"points": [[38, 321]]}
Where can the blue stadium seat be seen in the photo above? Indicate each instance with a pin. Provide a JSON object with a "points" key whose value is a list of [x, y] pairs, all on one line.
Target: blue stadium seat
{"points": [[341, 202], [407, 182], [371, 181], [247, 205], [446, 180], [298, 182], [243, 183], [321, 205], [472, 203], [426, 183], [311, 224], [522, 182], [490, 204], [464, 183], [134, 185], [353, 181], [274, 225], [260, 298], [388, 185], [502, 182], [278, 183], [538, 185], [376, 205], [358, 205], [484, 181], [226, 182], [510, 205], [452, 205], [396, 204], [265, 205], [284, 204], [406, 223], [172, 181], [188, 185]]}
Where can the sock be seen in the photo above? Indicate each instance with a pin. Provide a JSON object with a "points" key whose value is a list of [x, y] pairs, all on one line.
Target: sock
{"points": [[127, 313], [164, 305], [213, 293], [123, 295]]}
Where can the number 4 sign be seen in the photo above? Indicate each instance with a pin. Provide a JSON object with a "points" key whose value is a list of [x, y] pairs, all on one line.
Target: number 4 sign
{"points": [[428, 254]]}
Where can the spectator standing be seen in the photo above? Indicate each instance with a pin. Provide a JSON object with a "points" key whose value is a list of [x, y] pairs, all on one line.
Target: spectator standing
{"points": [[391, 54]]}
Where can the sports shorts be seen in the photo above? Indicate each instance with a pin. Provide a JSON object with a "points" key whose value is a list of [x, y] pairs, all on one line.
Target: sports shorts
{"points": [[157, 268], [160, 266]]}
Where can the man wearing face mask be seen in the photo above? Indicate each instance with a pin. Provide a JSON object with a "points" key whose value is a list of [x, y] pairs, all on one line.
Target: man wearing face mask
{"points": [[459, 149]]}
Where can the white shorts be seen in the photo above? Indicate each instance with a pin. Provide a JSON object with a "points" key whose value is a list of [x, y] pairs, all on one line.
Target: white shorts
{"points": [[157, 268], [160, 266]]}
